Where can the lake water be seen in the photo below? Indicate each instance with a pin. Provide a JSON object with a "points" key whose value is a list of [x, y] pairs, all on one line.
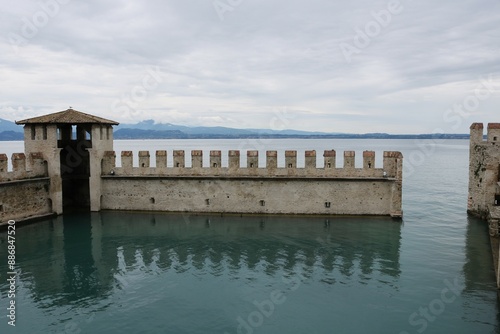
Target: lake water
{"points": [[115, 272]]}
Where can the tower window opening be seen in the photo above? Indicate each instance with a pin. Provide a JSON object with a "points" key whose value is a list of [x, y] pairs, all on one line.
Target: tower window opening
{"points": [[45, 132], [369, 165], [290, 165], [327, 204], [262, 202], [33, 132]]}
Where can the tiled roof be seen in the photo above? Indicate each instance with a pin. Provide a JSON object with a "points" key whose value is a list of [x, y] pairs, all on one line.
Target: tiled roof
{"points": [[494, 126], [69, 116]]}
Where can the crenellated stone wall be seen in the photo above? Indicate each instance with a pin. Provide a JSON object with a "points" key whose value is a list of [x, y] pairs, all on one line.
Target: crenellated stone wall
{"points": [[254, 189], [22, 168], [233, 188], [24, 191], [69, 164], [390, 168]]}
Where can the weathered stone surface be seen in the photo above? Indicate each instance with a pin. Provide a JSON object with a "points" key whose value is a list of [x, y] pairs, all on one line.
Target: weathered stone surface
{"points": [[24, 199], [484, 171], [245, 195]]}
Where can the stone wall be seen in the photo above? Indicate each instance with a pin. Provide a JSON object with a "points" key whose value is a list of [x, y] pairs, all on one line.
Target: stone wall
{"points": [[24, 192], [327, 189], [484, 171], [484, 182], [253, 189]]}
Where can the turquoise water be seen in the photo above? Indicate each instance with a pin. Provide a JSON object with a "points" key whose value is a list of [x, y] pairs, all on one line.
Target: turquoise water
{"points": [[115, 272]]}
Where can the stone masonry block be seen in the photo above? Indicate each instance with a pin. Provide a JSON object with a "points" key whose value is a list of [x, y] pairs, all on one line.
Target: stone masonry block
{"points": [[252, 159]]}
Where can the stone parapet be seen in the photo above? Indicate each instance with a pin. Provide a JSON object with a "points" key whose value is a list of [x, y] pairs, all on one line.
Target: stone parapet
{"points": [[391, 169], [492, 133], [23, 168]]}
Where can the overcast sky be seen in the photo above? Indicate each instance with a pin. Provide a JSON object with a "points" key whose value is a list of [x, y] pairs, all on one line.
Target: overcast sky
{"points": [[409, 66]]}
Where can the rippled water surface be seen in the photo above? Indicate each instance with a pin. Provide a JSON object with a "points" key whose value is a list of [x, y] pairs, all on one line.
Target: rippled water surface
{"points": [[116, 272]]}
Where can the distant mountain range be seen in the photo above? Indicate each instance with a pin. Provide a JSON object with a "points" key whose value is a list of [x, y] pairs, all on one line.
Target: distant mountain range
{"points": [[203, 131], [10, 130], [150, 130]]}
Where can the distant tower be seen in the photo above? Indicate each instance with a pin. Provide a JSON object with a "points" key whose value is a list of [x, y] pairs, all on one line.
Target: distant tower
{"points": [[484, 174], [73, 144]]}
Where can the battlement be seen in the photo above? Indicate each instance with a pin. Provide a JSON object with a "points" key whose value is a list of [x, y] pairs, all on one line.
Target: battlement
{"points": [[391, 169], [492, 133], [22, 168]]}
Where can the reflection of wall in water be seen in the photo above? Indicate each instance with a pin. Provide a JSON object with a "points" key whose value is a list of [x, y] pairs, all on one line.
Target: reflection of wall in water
{"points": [[478, 269], [40, 257], [89, 253], [234, 242], [80, 265]]}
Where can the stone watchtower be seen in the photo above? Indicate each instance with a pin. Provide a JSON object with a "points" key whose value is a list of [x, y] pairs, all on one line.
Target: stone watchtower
{"points": [[72, 144], [484, 174]]}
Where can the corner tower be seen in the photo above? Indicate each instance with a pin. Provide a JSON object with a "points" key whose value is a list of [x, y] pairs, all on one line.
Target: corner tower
{"points": [[484, 174], [73, 145]]}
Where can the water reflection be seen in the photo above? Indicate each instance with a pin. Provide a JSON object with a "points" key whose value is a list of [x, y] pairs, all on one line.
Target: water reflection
{"points": [[479, 275], [88, 256], [478, 269]]}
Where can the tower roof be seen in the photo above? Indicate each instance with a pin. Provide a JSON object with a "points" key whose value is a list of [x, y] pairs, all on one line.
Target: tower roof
{"points": [[69, 116], [494, 126]]}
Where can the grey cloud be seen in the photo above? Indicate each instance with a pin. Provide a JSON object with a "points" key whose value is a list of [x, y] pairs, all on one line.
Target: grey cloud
{"points": [[263, 54]]}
